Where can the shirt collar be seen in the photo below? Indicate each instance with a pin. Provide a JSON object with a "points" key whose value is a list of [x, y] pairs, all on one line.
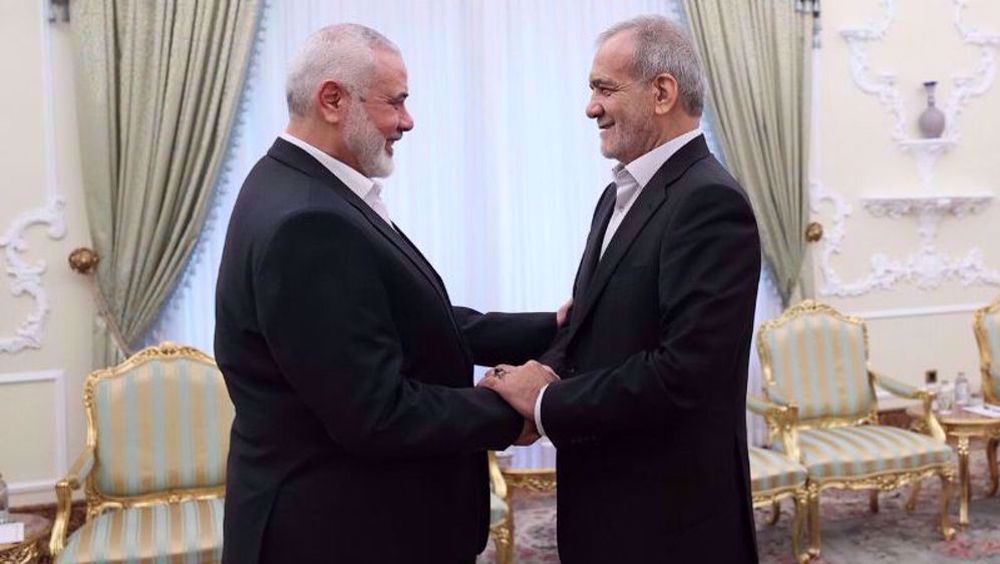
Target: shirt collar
{"points": [[357, 182], [643, 168]]}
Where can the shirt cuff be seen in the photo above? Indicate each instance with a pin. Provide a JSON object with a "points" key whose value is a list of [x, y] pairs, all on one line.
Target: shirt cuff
{"points": [[538, 411]]}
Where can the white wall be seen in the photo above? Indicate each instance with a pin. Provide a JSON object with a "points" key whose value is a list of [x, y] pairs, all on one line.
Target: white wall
{"points": [[41, 411], [924, 321]]}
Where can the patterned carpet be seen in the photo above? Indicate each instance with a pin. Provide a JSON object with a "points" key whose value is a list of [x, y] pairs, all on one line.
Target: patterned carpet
{"points": [[851, 534]]}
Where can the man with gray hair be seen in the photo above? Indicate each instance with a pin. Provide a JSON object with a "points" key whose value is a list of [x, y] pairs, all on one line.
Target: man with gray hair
{"points": [[649, 416], [358, 436]]}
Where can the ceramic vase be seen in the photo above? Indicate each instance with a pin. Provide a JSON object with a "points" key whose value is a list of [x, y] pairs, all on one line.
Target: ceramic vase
{"points": [[932, 119]]}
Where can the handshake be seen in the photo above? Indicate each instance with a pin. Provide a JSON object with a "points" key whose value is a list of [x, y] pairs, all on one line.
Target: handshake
{"points": [[519, 386]]}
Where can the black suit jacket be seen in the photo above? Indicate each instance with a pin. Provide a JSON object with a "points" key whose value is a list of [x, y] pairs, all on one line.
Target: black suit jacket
{"points": [[358, 436], [649, 417]]}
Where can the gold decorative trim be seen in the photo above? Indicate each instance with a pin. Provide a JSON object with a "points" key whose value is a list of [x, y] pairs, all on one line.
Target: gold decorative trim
{"points": [[23, 553], [534, 480], [883, 481]]}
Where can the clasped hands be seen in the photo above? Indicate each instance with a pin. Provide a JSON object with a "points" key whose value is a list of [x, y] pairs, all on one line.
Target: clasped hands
{"points": [[519, 386]]}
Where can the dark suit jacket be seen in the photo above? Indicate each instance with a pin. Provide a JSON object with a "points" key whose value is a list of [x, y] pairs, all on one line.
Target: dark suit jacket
{"points": [[358, 436], [649, 417]]}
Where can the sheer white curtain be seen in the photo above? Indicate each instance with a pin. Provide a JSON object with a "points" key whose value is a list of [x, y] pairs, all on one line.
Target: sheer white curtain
{"points": [[498, 180], [768, 307]]}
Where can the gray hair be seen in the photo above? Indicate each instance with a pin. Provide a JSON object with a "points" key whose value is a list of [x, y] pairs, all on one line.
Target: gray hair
{"points": [[343, 53], [661, 46]]}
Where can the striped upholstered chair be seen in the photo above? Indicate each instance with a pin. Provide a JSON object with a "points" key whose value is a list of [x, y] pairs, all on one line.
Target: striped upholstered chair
{"points": [[987, 329], [775, 476], [154, 465], [816, 359]]}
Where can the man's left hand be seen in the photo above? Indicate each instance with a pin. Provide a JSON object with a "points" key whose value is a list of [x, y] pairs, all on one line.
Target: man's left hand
{"points": [[520, 385]]}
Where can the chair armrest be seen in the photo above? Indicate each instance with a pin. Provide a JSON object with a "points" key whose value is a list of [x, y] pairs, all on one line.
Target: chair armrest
{"points": [[782, 421], [64, 498], [497, 482], [763, 407], [897, 388], [906, 391]]}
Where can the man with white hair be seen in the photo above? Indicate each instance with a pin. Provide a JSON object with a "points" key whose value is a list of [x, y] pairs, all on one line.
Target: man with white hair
{"points": [[358, 436], [649, 416]]}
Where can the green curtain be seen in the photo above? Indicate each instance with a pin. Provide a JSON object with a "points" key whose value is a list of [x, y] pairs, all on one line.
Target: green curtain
{"points": [[158, 86], [757, 60]]}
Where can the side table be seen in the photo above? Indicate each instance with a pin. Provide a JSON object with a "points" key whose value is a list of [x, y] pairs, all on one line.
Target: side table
{"points": [[531, 479], [961, 426], [36, 536]]}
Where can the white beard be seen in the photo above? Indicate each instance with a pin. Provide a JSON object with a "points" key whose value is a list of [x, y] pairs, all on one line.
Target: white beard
{"points": [[367, 144]]}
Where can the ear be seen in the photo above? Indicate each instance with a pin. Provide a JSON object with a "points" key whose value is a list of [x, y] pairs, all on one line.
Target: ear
{"points": [[331, 101], [666, 91]]}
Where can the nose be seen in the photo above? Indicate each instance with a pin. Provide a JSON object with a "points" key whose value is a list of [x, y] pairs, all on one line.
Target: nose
{"points": [[406, 122], [594, 110]]}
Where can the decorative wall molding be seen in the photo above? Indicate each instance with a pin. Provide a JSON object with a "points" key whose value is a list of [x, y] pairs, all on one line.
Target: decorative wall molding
{"points": [[832, 242], [902, 312], [58, 378], [929, 209], [883, 85], [25, 278], [927, 267]]}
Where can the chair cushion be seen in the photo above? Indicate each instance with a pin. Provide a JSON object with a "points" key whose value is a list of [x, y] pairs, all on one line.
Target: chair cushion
{"points": [[189, 532], [817, 362], [851, 452], [498, 509], [162, 425], [772, 470]]}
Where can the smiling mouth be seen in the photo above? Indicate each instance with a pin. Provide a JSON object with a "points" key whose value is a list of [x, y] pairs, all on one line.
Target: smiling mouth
{"points": [[604, 127]]}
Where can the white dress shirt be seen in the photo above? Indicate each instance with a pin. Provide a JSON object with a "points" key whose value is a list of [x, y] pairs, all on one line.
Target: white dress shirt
{"points": [[367, 189], [629, 182]]}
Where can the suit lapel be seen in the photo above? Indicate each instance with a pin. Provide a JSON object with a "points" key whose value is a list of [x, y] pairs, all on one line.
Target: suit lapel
{"points": [[299, 159], [650, 199], [591, 253]]}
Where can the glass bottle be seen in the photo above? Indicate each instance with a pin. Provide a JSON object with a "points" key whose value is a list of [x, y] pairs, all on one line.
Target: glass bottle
{"points": [[946, 398], [962, 392]]}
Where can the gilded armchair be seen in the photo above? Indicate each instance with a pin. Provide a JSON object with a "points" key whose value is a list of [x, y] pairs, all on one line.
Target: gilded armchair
{"points": [[501, 514], [153, 469], [816, 359], [987, 329], [775, 475]]}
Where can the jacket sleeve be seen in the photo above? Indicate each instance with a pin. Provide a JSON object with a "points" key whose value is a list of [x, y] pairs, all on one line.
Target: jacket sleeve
{"points": [[325, 315], [709, 265], [505, 338]]}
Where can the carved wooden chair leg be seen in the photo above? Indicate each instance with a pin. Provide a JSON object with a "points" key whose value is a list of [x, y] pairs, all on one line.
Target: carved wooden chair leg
{"points": [[947, 479], [503, 539], [991, 457], [799, 526], [873, 501], [775, 513], [814, 536], [911, 504]]}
